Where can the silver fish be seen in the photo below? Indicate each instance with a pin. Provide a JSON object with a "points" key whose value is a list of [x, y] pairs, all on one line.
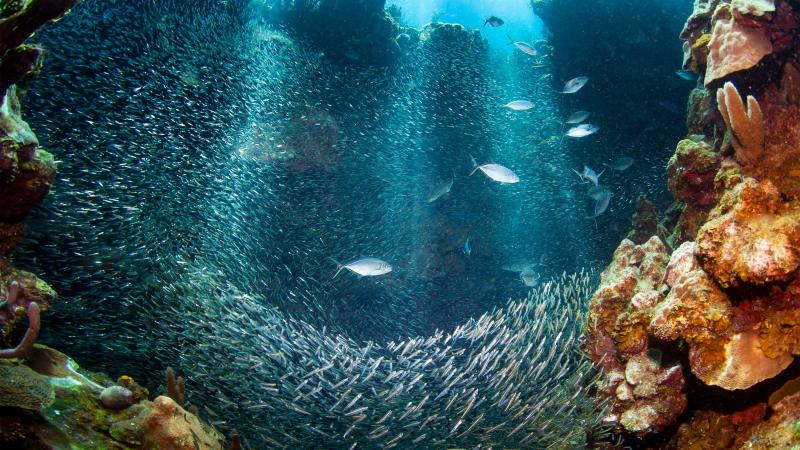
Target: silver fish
{"points": [[496, 172], [494, 21], [366, 267], [589, 175], [577, 117], [582, 130], [524, 47], [574, 85], [621, 164], [595, 191], [686, 75], [443, 188], [602, 202], [519, 105], [529, 277]]}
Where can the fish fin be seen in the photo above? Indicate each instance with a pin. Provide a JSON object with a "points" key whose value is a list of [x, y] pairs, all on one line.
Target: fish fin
{"points": [[601, 172], [578, 174], [339, 267], [510, 41], [474, 164], [484, 23]]}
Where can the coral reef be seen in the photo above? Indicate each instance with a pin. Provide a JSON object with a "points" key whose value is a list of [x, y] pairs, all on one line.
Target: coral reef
{"points": [[646, 223], [647, 393], [726, 308], [348, 33], [751, 236], [51, 403], [733, 46], [746, 125]]}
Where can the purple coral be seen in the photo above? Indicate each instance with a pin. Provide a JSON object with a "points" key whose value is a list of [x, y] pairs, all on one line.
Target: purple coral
{"points": [[31, 334]]}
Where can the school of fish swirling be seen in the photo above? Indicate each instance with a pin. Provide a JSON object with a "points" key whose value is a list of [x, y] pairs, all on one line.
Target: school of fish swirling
{"points": [[155, 237]]}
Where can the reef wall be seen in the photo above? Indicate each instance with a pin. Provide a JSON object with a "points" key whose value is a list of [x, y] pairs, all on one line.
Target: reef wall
{"points": [[699, 344]]}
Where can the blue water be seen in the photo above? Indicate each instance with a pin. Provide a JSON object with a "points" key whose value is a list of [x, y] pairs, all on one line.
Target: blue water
{"points": [[520, 21]]}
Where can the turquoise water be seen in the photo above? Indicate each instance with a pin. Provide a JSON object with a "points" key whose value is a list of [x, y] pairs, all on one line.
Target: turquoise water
{"points": [[520, 21]]}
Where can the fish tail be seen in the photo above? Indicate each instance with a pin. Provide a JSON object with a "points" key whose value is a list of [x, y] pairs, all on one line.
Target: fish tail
{"points": [[339, 267], [510, 41], [484, 23], [601, 172], [578, 173], [474, 165]]}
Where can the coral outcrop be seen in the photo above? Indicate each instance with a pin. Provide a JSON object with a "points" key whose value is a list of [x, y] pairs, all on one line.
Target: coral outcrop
{"points": [[647, 393], [751, 236], [727, 307], [348, 33], [51, 403], [733, 46]]}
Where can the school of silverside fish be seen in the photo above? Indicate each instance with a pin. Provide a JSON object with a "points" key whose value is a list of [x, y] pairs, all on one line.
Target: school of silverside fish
{"points": [[506, 379], [164, 221]]}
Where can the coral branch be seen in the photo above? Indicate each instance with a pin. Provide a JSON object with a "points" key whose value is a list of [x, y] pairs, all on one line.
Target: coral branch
{"points": [[746, 125], [11, 297], [29, 339]]}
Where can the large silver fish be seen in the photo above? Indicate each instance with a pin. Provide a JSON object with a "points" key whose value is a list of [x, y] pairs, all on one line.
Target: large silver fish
{"points": [[596, 191], [496, 172], [602, 202], [577, 117], [529, 277], [589, 175], [442, 189], [524, 47], [366, 267], [621, 164], [519, 105], [582, 130], [574, 85]]}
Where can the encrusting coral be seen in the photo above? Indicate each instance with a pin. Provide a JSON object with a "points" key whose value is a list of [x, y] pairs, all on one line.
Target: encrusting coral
{"points": [[733, 46], [746, 126], [727, 307]]}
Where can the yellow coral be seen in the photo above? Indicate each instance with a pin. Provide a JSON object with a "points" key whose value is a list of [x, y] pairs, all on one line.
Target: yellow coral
{"points": [[702, 41]]}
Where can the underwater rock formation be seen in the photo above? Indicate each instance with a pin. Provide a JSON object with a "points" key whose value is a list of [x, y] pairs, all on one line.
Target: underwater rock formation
{"points": [[51, 403], [347, 32], [727, 302], [647, 393], [26, 171]]}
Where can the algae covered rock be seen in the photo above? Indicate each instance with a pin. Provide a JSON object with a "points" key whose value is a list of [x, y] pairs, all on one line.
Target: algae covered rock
{"points": [[165, 424], [21, 387], [751, 237]]}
